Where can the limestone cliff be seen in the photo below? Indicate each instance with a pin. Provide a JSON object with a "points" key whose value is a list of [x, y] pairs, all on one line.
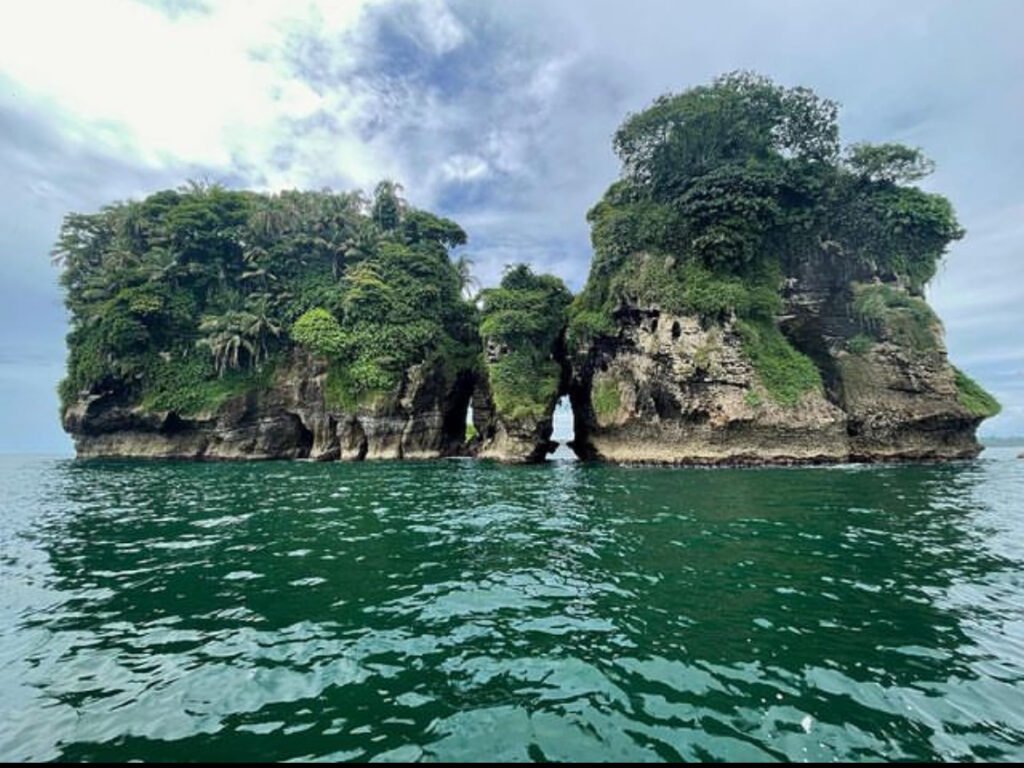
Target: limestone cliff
{"points": [[293, 417], [680, 388], [757, 292], [517, 436], [882, 355], [670, 389]]}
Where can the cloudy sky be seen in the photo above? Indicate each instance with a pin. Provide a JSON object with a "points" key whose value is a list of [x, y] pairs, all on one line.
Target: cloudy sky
{"points": [[499, 115]]}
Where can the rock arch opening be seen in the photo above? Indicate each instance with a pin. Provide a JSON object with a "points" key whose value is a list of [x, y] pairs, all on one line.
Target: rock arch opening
{"points": [[563, 430]]}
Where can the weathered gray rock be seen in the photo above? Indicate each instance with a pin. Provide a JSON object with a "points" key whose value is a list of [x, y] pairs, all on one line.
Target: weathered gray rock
{"points": [[900, 399], [289, 420], [679, 389], [670, 389]]}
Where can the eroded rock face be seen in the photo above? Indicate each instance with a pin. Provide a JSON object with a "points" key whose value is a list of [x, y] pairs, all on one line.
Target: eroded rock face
{"points": [[290, 420], [900, 399], [522, 440], [902, 405], [676, 389], [671, 390]]}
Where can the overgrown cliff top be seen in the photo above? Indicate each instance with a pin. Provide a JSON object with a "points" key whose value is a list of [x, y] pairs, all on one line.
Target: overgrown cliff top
{"points": [[191, 294], [743, 181]]}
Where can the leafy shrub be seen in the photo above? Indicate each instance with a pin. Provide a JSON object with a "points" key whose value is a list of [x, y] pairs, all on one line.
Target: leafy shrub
{"points": [[189, 387], [860, 344], [320, 332], [586, 325], [524, 387]]}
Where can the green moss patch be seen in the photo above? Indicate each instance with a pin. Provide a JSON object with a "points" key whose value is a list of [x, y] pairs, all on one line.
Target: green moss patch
{"points": [[888, 311], [606, 399], [974, 398], [785, 373]]}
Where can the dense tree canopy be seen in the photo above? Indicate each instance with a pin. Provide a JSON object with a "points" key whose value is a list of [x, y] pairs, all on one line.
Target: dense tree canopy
{"points": [[745, 179], [221, 282], [728, 188]]}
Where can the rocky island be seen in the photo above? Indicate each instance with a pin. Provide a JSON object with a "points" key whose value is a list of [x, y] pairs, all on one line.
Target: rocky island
{"points": [[756, 295]]}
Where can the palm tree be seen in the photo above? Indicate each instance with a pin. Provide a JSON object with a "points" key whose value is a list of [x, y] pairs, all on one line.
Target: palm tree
{"points": [[240, 336], [361, 243], [226, 341], [259, 325], [388, 205], [469, 286], [161, 264], [255, 259]]}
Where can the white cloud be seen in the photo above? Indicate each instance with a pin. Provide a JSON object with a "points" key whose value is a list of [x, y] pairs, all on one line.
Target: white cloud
{"points": [[199, 88], [464, 168], [441, 29]]}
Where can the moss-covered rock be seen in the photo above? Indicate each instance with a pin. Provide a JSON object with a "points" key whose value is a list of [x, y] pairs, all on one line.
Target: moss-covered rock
{"points": [[522, 327]]}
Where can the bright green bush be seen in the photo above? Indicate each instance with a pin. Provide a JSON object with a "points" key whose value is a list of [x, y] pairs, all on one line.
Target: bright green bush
{"points": [[320, 332]]}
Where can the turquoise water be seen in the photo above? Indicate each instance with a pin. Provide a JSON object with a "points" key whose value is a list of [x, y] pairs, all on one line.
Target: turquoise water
{"points": [[466, 611]]}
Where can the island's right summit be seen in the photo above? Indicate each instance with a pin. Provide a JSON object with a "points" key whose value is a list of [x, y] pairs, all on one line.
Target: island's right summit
{"points": [[757, 293]]}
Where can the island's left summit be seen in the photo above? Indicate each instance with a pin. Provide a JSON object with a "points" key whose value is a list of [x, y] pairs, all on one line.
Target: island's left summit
{"points": [[210, 323]]}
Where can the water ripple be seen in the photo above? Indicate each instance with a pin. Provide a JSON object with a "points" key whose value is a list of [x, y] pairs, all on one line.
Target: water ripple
{"points": [[467, 611]]}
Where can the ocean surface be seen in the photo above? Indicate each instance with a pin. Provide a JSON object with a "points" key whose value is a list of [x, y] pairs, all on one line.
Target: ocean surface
{"points": [[456, 610]]}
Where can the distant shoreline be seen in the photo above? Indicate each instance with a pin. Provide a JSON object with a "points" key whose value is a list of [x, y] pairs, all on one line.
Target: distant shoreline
{"points": [[1001, 442]]}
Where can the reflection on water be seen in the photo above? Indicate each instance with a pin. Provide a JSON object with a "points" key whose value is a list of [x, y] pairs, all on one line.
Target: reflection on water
{"points": [[466, 611]]}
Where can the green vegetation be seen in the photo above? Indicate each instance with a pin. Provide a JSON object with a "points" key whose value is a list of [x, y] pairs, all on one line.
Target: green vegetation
{"points": [[974, 398], [786, 373], [860, 344], [522, 386], [885, 311], [188, 387], [585, 325], [606, 398], [320, 332], [525, 316], [727, 187], [691, 287], [191, 295]]}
